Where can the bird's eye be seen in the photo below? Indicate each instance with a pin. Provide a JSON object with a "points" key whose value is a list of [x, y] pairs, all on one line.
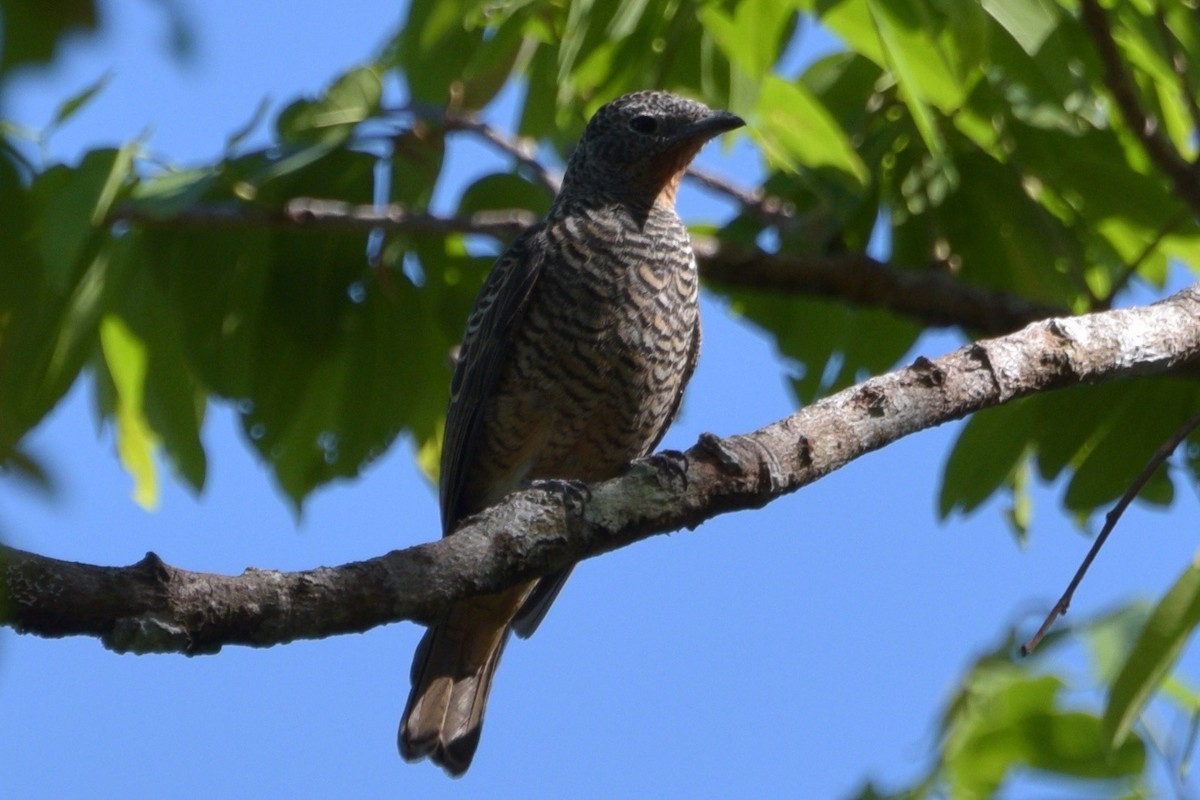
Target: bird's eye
{"points": [[643, 124]]}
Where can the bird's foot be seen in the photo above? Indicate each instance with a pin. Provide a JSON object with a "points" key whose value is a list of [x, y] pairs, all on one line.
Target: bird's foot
{"points": [[670, 466], [574, 493]]}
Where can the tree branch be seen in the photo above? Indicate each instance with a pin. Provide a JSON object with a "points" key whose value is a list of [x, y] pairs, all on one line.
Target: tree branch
{"points": [[1111, 519], [928, 296], [768, 209], [1179, 66], [1184, 176], [523, 151], [154, 607]]}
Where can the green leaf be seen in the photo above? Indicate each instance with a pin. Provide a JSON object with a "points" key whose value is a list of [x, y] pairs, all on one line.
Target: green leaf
{"points": [[1153, 655], [895, 38], [831, 345], [1020, 513], [326, 358], [315, 171], [983, 741], [31, 35], [416, 165], [462, 51], [29, 470], [69, 107], [241, 133], [1110, 638], [1006, 721], [73, 204], [169, 193], [503, 190], [331, 118], [799, 133], [173, 400], [990, 447], [1122, 443], [1030, 22], [1184, 697], [752, 35], [1026, 250], [125, 357]]}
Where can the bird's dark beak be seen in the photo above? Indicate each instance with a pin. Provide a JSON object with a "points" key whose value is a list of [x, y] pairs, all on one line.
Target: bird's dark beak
{"points": [[715, 123]]}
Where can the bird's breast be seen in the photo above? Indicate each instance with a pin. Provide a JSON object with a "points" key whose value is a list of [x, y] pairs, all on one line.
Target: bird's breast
{"points": [[595, 369]]}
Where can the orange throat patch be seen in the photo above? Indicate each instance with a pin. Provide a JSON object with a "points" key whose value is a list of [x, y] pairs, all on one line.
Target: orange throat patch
{"points": [[666, 195], [674, 164]]}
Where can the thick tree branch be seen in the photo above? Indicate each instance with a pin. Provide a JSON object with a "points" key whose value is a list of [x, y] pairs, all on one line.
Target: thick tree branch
{"points": [[1184, 176], [154, 607], [336, 215], [928, 296]]}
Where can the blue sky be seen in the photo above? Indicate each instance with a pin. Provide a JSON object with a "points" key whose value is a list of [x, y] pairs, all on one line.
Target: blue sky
{"points": [[792, 651]]}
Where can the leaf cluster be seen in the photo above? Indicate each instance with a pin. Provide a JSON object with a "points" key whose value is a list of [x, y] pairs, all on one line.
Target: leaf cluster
{"points": [[986, 142]]}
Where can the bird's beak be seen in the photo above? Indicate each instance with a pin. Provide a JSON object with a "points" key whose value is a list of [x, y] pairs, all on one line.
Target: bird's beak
{"points": [[715, 123]]}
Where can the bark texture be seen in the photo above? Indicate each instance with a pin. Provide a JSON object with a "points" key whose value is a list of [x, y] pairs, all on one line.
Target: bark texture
{"points": [[153, 607]]}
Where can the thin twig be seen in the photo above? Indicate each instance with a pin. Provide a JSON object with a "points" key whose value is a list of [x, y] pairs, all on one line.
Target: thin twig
{"points": [[1131, 269], [523, 151], [1179, 66], [1110, 521], [1183, 175], [767, 208]]}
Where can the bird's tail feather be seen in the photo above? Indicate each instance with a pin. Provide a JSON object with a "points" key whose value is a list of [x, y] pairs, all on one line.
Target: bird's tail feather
{"points": [[451, 677], [534, 607]]}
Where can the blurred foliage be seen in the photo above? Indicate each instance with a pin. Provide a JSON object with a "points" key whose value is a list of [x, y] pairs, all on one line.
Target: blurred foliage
{"points": [[30, 36], [1009, 724], [973, 139]]}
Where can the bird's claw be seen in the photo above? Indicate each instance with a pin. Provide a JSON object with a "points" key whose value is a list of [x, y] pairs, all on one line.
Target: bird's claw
{"points": [[671, 464], [574, 493]]}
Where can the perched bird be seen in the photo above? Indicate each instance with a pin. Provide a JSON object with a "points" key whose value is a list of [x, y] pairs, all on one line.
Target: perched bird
{"points": [[573, 364]]}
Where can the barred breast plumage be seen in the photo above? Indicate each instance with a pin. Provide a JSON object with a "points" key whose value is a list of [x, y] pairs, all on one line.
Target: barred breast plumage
{"points": [[573, 364]]}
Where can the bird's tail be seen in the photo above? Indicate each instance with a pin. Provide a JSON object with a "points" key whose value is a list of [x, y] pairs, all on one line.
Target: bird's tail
{"points": [[451, 676]]}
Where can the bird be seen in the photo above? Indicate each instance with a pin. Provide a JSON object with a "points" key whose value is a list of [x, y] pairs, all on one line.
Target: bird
{"points": [[573, 363]]}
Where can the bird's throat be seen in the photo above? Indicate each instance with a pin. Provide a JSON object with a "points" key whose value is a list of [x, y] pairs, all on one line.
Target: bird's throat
{"points": [[670, 171]]}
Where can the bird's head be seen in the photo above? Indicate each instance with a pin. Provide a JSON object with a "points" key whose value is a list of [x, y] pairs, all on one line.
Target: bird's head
{"points": [[636, 147]]}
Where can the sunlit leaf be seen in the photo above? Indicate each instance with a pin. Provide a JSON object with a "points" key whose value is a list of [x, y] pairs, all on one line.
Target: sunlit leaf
{"points": [[798, 132], [1153, 655], [330, 119], [751, 36], [1029, 21], [125, 357]]}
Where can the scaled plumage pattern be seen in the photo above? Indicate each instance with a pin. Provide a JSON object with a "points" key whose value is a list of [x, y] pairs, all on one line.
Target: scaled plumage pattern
{"points": [[573, 364]]}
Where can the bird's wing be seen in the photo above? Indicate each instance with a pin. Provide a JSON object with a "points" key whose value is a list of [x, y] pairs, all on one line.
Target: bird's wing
{"points": [[498, 309]]}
